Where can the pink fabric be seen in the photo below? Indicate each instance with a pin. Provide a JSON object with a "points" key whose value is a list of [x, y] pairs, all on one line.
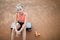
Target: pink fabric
{"points": [[21, 18]]}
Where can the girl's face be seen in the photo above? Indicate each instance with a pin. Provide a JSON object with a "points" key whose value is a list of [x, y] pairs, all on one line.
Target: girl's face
{"points": [[20, 10]]}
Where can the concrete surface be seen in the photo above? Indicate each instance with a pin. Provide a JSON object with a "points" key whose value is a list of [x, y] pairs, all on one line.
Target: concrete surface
{"points": [[44, 15]]}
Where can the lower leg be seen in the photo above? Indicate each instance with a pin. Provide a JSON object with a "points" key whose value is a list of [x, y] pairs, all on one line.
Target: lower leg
{"points": [[12, 35], [24, 34]]}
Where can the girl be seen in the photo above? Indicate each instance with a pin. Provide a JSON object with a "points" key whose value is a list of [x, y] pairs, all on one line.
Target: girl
{"points": [[21, 18]]}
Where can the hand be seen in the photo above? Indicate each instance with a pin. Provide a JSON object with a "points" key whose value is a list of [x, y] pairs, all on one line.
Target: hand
{"points": [[17, 32]]}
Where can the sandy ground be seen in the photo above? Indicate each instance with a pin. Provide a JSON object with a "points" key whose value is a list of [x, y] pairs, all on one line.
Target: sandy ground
{"points": [[43, 14]]}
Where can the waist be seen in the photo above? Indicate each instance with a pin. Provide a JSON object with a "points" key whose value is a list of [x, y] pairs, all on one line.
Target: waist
{"points": [[20, 21]]}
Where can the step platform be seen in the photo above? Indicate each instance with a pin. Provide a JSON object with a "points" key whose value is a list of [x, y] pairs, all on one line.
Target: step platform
{"points": [[28, 26]]}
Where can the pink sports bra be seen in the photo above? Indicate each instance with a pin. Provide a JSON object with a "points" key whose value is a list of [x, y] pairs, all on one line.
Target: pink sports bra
{"points": [[21, 18]]}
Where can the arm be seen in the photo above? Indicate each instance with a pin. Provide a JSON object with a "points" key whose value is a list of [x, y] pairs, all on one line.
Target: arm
{"points": [[16, 22], [15, 29], [16, 16]]}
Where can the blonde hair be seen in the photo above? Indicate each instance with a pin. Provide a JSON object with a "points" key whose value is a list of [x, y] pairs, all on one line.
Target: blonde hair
{"points": [[19, 6]]}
